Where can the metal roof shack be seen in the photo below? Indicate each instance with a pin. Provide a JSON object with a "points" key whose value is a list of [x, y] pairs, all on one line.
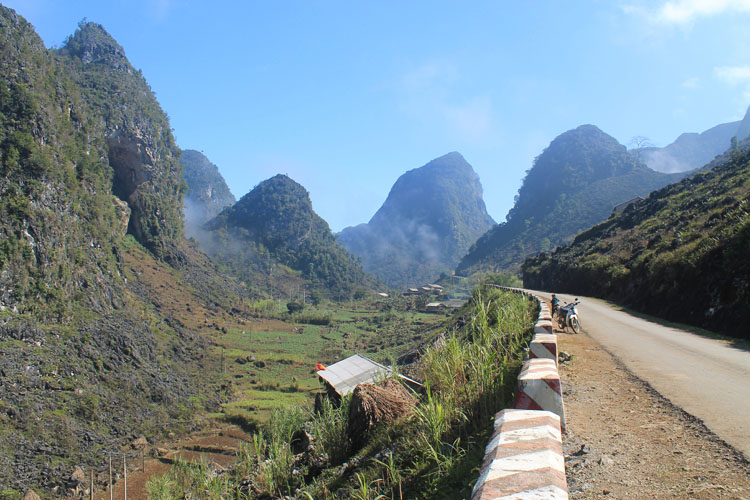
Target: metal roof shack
{"points": [[343, 376], [454, 304]]}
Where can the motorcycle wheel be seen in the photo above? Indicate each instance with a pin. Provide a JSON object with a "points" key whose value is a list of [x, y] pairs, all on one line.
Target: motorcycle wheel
{"points": [[575, 325]]}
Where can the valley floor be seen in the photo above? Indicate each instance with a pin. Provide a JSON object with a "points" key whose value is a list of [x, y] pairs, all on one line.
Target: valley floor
{"points": [[625, 441]]}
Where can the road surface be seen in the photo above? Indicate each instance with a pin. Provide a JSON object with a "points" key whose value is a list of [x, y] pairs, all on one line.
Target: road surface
{"points": [[707, 378]]}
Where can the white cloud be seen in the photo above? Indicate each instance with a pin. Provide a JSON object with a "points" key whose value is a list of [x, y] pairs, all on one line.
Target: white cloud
{"points": [[471, 120], [434, 92], [159, 9], [682, 12], [733, 75], [691, 83], [429, 76], [738, 77]]}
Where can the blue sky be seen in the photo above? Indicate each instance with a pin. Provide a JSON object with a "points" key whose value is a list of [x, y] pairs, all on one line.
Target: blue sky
{"points": [[346, 96]]}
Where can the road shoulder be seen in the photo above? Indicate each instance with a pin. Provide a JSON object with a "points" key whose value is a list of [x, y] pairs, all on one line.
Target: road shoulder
{"points": [[626, 441]]}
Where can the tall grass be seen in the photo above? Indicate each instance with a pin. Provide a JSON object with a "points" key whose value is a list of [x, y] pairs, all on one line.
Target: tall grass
{"points": [[271, 466], [469, 378], [329, 430], [189, 481]]}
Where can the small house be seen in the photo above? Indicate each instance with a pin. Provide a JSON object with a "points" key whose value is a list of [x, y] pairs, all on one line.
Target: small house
{"points": [[434, 307]]}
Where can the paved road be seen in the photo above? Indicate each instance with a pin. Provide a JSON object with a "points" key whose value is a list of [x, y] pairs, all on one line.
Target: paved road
{"points": [[707, 378]]}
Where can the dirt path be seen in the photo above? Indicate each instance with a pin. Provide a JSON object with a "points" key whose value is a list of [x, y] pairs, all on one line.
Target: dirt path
{"points": [[625, 441]]}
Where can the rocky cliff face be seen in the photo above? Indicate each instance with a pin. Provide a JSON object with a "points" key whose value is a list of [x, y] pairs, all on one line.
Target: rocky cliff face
{"points": [[59, 217], [431, 217], [140, 147], [207, 191]]}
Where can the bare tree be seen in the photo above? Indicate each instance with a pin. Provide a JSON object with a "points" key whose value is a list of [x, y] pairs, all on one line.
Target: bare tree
{"points": [[636, 145]]}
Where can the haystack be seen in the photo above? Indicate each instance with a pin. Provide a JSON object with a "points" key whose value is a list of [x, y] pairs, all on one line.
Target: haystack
{"points": [[372, 404]]}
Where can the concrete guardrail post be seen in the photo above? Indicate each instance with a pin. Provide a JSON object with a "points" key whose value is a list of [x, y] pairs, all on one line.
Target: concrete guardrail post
{"points": [[539, 388], [524, 459]]}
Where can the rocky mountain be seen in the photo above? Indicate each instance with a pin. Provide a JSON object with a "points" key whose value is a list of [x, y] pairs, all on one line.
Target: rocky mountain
{"points": [[573, 184], [681, 254], [692, 150], [140, 149], [273, 233], [90, 198], [207, 191], [431, 217]]}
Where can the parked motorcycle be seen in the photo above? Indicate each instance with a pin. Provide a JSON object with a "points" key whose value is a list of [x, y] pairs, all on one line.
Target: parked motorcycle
{"points": [[567, 316]]}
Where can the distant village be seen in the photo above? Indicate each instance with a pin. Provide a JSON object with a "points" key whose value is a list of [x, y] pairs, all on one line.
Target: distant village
{"points": [[431, 290]]}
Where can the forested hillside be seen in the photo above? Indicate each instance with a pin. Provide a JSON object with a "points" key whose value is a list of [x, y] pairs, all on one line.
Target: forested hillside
{"points": [[681, 254], [431, 217], [572, 185], [272, 234]]}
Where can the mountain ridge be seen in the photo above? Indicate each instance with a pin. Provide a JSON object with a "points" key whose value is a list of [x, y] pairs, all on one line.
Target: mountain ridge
{"points": [[574, 183]]}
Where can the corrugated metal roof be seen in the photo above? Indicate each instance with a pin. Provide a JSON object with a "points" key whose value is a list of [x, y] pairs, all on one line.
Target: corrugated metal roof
{"points": [[347, 373]]}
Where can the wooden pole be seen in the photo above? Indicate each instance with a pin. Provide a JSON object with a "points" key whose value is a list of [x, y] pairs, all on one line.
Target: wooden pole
{"points": [[143, 461], [111, 493], [91, 487], [125, 476]]}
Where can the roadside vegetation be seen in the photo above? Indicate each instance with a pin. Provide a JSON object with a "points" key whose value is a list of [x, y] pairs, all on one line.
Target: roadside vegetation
{"points": [[468, 370]]}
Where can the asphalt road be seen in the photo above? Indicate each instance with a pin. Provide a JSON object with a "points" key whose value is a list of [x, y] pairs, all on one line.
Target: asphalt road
{"points": [[707, 378]]}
